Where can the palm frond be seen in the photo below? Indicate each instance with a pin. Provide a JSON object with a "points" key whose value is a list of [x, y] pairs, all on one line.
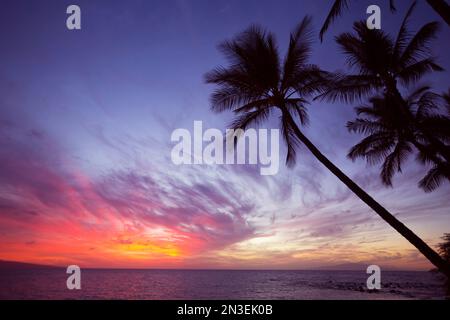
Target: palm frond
{"points": [[298, 52], [392, 6], [418, 46], [393, 162], [436, 125], [403, 34], [427, 103], [246, 119], [298, 106], [310, 79], [350, 88], [228, 98], [364, 126], [446, 97], [432, 180], [426, 155], [373, 148], [336, 10], [414, 72], [416, 93], [254, 53]]}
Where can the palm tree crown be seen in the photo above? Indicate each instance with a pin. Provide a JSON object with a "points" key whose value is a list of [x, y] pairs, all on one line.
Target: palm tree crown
{"points": [[257, 82], [381, 61], [394, 125], [390, 138]]}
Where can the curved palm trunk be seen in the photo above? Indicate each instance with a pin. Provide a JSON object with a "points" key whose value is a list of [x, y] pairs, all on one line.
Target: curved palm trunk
{"points": [[428, 252], [442, 8]]}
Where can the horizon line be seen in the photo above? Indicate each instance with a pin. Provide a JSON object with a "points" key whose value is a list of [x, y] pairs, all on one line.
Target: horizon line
{"points": [[32, 265]]}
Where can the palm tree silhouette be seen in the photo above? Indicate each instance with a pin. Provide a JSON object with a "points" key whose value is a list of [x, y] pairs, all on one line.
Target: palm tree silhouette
{"points": [[438, 125], [381, 62], [257, 83], [392, 131], [440, 6], [435, 127]]}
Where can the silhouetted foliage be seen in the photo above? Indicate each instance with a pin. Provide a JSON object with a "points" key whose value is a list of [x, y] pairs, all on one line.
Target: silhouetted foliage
{"points": [[393, 125], [393, 130], [257, 83], [444, 247], [380, 61], [339, 6]]}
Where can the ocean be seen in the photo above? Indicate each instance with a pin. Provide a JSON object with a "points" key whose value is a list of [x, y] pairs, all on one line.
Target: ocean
{"points": [[217, 284]]}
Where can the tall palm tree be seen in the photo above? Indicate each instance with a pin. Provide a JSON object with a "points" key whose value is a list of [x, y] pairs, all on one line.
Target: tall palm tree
{"points": [[440, 6], [392, 131], [257, 84]]}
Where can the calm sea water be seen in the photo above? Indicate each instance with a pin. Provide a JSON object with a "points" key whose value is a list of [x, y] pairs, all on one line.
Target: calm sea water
{"points": [[216, 284]]}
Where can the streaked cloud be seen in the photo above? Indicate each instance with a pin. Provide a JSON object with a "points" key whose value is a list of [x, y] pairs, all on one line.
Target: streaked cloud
{"points": [[85, 170]]}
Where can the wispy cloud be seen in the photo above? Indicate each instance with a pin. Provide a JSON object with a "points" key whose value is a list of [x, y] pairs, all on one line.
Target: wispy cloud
{"points": [[85, 170]]}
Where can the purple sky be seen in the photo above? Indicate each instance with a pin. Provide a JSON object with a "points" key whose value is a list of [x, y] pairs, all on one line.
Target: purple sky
{"points": [[86, 118]]}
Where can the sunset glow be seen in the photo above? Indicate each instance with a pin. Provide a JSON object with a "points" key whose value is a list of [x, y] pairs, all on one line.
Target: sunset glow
{"points": [[85, 170]]}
